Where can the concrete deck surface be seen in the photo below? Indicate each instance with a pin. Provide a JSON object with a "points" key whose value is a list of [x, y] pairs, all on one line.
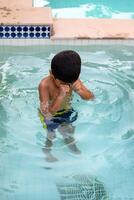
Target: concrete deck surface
{"points": [[93, 28]]}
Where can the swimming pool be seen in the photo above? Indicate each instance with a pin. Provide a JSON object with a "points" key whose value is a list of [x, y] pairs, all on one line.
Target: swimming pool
{"points": [[90, 8], [104, 130]]}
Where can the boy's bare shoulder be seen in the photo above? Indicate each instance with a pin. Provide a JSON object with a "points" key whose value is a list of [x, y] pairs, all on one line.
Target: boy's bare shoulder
{"points": [[44, 83]]}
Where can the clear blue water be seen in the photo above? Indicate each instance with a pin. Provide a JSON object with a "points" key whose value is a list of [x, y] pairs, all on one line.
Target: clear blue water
{"points": [[90, 8], [104, 130]]}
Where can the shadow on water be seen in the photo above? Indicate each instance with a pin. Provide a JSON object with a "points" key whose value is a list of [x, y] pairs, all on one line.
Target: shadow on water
{"points": [[81, 186]]}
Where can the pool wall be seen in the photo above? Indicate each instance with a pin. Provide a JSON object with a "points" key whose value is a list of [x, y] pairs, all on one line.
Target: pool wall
{"points": [[30, 26]]}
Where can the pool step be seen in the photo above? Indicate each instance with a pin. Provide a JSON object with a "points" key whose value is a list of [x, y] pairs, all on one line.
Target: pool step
{"points": [[29, 16], [8, 4], [18, 19]]}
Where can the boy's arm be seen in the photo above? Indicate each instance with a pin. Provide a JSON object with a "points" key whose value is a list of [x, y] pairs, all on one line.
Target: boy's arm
{"points": [[46, 109], [44, 100], [80, 89]]}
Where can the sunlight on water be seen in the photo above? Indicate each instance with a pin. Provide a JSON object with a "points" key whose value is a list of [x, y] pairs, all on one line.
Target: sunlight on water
{"points": [[104, 130], [89, 8]]}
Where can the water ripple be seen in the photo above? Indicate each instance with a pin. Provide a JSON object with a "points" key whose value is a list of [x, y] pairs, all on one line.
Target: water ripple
{"points": [[103, 131]]}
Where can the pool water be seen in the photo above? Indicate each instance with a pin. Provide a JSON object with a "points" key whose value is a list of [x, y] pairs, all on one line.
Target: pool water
{"points": [[89, 8], [104, 130]]}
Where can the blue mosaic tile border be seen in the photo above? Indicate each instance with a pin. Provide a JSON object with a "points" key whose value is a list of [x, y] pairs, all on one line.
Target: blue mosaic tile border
{"points": [[24, 32]]}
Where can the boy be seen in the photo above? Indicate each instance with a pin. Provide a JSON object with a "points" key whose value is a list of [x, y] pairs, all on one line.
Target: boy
{"points": [[55, 92]]}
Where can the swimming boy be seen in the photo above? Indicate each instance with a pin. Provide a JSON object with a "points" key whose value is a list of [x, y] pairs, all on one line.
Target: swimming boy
{"points": [[55, 92]]}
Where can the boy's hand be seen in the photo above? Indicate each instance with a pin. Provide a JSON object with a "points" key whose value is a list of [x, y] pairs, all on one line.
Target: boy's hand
{"points": [[79, 88], [57, 103], [77, 85], [64, 90], [44, 108]]}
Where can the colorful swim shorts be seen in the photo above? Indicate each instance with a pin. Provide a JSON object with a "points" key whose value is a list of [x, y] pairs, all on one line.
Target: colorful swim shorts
{"points": [[62, 116]]}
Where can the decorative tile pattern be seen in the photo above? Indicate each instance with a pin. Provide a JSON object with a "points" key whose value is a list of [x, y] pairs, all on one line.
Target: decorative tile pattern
{"points": [[24, 32]]}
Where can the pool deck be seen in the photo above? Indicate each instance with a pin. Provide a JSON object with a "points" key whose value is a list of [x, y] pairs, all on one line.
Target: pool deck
{"points": [[22, 12], [93, 29]]}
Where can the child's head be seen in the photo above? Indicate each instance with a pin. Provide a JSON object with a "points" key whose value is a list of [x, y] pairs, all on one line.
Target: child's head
{"points": [[66, 66]]}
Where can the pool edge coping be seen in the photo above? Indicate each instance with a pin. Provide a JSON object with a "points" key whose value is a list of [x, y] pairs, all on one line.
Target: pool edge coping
{"points": [[66, 42]]}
